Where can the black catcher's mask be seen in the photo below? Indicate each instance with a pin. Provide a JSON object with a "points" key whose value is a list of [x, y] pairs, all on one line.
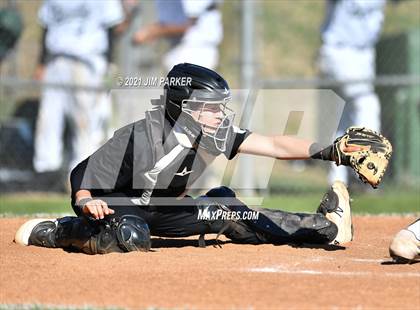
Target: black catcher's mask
{"points": [[197, 104]]}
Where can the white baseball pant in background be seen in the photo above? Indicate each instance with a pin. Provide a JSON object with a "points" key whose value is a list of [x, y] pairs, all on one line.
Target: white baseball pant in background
{"points": [[362, 104], [87, 111]]}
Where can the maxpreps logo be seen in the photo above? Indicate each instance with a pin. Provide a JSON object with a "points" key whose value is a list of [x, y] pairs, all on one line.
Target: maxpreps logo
{"points": [[226, 215]]}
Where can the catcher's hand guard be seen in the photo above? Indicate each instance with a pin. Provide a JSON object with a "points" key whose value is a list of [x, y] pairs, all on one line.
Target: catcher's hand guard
{"points": [[371, 161]]}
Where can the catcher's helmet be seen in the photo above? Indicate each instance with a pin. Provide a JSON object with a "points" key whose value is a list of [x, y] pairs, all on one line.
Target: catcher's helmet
{"points": [[203, 90]]}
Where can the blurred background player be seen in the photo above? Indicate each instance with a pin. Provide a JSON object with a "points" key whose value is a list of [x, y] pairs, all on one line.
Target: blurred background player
{"points": [[193, 28], [10, 30], [349, 33], [76, 45], [405, 247]]}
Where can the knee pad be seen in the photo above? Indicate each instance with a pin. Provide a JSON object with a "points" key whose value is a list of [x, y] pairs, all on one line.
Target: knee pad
{"points": [[221, 191], [133, 234], [125, 234], [128, 233], [87, 236], [76, 233], [208, 208], [212, 201]]}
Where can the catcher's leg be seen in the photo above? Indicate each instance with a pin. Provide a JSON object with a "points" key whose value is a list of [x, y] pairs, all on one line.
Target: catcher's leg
{"points": [[331, 224], [275, 226], [271, 226], [123, 234], [187, 220]]}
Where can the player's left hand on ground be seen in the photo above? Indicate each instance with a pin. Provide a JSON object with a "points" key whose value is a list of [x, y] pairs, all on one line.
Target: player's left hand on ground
{"points": [[366, 151]]}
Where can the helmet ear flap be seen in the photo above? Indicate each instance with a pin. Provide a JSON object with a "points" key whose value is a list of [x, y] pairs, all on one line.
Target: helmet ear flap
{"points": [[173, 98]]}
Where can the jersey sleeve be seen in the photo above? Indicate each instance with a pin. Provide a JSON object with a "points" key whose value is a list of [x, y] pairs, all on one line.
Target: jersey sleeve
{"points": [[103, 169], [194, 8], [235, 138], [112, 13], [45, 17]]}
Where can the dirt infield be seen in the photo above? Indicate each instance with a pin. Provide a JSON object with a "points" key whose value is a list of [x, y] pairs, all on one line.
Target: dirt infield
{"points": [[179, 274]]}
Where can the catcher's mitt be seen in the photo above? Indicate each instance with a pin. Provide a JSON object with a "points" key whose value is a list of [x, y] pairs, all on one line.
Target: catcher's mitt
{"points": [[371, 161]]}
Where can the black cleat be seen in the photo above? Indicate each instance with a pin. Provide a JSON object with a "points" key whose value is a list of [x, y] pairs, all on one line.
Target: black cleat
{"points": [[38, 232], [335, 205]]}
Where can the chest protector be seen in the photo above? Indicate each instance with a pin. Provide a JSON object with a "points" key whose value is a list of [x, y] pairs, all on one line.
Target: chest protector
{"points": [[176, 163]]}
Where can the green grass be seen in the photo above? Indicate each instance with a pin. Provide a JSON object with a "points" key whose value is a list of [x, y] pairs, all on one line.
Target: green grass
{"points": [[20, 204], [372, 203], [362, 203]]}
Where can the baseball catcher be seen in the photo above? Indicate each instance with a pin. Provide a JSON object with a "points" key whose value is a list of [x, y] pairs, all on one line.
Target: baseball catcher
{"points": [[134, 185]]}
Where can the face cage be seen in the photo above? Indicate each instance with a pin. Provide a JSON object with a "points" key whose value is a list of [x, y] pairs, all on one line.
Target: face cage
{"points": [[220, 132]]}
